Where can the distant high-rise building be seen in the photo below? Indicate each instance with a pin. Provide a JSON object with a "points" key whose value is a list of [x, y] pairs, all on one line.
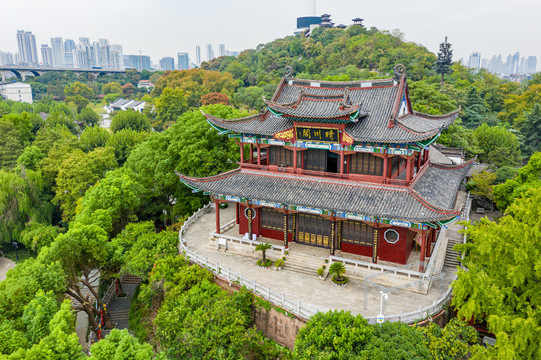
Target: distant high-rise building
{"points": [[221, 50], [47, 55], [139, 62], [210, 52], [474, 61], [198, 55], [57, 46], [69, 45], [484, 63], [117, 57], [167, 63], [26, 43], [183, 61], [69, 48], [6, 58], [531, 65], [514, 68]]}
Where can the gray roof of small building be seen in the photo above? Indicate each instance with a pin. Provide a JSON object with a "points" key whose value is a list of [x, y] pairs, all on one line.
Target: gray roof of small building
{"points": [[384, 201], [119, 102], [439, 183], [436, 157], [378, 99]]}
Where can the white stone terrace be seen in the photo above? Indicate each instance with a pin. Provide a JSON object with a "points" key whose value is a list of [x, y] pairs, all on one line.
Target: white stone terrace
{"points": [[412, 296]]}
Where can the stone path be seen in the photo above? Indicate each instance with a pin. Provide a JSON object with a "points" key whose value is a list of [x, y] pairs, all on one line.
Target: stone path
{"points": [[5, 265], [310, 290]]}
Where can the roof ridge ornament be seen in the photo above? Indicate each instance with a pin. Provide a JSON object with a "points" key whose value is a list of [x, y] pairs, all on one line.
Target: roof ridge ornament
{"points": [[288, 72], [399, 71]]}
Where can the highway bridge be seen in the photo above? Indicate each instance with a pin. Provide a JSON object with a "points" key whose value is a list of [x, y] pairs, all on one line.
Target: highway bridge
{"points": [[23, 71]]}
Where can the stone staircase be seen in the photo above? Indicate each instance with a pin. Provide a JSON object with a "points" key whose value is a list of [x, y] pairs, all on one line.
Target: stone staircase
{"points": [[452, 256], [301, 263], [119, 315], [131, 279]]}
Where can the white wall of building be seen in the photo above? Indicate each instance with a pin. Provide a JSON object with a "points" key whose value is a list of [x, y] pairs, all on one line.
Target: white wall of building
{"points": [[16, 92]]}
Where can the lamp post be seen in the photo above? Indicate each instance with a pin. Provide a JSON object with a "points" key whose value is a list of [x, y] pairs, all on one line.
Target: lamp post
{"points": [[381, 315], [16, 246]]}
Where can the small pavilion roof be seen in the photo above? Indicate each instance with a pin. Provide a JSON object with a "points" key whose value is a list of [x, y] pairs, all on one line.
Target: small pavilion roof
{"points": [[384, 201], [369, 107]]}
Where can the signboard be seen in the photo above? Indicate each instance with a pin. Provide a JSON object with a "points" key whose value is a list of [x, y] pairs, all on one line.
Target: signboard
{"points": [[393, 151], [232, 198], [309, 210], [266, 203], [400, 223], [380, 319], [317, 134], [249, 140], [318, 146], [276, 142], [357, 217], [248, 213]]}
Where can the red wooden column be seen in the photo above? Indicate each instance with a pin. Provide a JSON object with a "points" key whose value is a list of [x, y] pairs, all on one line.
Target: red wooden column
{"points": [[418, 161], [258, 154], [241, 153], [341, 161], [217, 207], [425, 155], [294, 159], [333, 231], [386, 167], [286, 224], [251, 153], [237, 207], [409, 169], [375, 245], [250, 216], [423, 252]]}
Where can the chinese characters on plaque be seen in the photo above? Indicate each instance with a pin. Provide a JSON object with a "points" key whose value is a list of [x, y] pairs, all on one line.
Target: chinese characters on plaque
{"points": [[317, 134]]}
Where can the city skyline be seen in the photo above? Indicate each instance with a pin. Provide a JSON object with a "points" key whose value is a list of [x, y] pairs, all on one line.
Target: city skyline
{"points": [[469, 27]]}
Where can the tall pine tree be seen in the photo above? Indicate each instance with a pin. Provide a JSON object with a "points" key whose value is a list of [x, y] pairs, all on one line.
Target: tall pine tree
{"points": [[533, 130], [445, 59]]}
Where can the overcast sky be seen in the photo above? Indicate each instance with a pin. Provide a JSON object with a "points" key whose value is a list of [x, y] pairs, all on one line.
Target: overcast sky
{"points": [[164, 27]]}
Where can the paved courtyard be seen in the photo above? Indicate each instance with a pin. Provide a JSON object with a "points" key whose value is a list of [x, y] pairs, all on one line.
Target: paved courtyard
{"points": [[309, 289]]}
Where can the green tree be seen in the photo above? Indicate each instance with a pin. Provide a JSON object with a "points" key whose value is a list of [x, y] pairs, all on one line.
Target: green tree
{"points": [[77, 173], [170, 105], [79, 89], [37, 235], [474, 109], [112, 88], [481, 184], [426, 98], [445, 59], [263, 248], [19, 202], [451, 342], [62, 342], [124, 141], [78, 102], [30, 157], [396, 341], [502, 282], [113, 202], [532, 130], [140, 247], [37, 315], [94, 137], [527, 177], [120, 344], [89, 117], [129, 119], [337, 270], [333, 335], [11, 144], [458, 136], [250, 96], [499, 147]]}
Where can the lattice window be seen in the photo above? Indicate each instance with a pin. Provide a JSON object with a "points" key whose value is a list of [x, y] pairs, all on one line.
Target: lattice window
{"points": [[315, 159], [280, 156], [356, 232], [363, 163], [272, 219]]}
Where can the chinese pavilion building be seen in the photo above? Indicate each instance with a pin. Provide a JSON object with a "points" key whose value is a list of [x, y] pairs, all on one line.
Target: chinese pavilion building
{"points": [[340, 165]]}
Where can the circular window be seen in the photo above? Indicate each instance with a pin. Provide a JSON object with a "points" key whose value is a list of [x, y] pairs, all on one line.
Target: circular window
{"points": [[253, 213], [391, 236]]}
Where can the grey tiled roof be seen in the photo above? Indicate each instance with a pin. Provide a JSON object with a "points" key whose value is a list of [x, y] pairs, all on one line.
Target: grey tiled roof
{"points": [[426, 123], [317, 106], [384, 201], [260, 124], [439, 184], [377, 98], [436, 157]]}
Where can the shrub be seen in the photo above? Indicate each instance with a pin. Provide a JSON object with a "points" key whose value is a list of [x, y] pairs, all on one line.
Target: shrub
{"points": [[320, 271], [279, 263]]}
